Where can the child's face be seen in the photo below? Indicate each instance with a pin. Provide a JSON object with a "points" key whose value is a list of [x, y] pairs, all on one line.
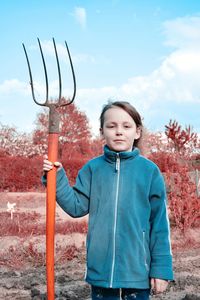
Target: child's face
{"points": [[119, 130]]}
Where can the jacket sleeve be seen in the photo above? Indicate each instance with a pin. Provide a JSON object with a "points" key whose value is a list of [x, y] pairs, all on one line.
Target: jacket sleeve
{"points": [[73, 200], [160, 245]]}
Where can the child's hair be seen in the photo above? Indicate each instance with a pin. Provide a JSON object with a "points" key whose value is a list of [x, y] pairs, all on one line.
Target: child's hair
{"points": [[130, 110]]}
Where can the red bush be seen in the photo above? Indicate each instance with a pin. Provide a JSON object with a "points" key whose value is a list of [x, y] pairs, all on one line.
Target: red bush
{"points": [[23, 224], [72, 167], [184, 205], [166, 161], [20, 174], [28, 254]]}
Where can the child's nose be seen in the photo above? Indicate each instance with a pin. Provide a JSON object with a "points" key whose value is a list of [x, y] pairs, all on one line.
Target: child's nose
{"points": [[119, 131]]}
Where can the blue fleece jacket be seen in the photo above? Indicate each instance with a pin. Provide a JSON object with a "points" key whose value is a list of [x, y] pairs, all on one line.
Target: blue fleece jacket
{"points": [[128, 238]]}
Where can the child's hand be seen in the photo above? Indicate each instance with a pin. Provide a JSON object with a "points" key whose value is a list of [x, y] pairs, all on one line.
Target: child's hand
{"points": [[48, 165], [158, 285]]}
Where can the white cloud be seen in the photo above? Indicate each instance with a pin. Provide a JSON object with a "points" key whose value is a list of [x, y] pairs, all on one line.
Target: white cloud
{"points": [[80, 16], [183, 32], [14, 86]]}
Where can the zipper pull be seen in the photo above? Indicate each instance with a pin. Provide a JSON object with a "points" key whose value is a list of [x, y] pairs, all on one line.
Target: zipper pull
{"points": [[117, 165]]}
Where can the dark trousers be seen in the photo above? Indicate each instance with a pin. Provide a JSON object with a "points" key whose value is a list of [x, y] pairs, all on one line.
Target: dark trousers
{"points": [[99, 293]]}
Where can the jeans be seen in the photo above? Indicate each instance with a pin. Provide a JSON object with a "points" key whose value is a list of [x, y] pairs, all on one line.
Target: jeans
{"points": [[99, 293]]}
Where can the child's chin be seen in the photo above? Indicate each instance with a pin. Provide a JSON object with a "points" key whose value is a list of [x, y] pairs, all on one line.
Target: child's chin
{"points": [[120, 149]]}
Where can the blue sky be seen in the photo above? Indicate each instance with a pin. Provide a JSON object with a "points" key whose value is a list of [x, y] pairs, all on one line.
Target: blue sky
{"points": [[144, 51]]}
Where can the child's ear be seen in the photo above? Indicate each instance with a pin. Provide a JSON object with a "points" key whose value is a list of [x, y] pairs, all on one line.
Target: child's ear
{"points": [[101, 133], [138, 132]]}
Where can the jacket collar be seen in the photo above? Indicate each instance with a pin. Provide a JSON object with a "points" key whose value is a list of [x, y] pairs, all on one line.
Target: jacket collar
{"points": [[112, 155]]}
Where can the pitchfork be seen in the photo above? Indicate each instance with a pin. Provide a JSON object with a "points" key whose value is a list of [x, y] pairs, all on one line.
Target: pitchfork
{"points": [[52, 156]]}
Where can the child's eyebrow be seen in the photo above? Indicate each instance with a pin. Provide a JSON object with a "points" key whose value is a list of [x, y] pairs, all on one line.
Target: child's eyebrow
{"points": [[125, 122], [110, 122]]}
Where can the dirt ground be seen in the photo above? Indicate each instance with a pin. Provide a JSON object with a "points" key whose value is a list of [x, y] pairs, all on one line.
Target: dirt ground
{"points": [[30, 282]]}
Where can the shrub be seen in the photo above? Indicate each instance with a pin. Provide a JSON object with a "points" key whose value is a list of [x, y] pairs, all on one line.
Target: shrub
{"points": [[20, 174], [28, 255], [72, 167], [28, 224], [23, 224], [184, 205], [166, 161]]}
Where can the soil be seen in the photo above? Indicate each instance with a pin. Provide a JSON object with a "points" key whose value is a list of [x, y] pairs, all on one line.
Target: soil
{"points": [[30, 282]]}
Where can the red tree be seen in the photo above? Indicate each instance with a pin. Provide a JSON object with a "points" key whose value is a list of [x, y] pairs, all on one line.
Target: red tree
{"points": [[74, 136], [74, 149], [184, 204], [182, 139]]}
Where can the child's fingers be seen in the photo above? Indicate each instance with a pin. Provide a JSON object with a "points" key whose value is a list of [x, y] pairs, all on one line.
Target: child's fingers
{"points": [[152, 283], [58, 165], [47, 165], [159, 285]]}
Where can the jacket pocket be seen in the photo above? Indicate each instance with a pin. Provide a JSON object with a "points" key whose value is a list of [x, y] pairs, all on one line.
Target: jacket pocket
{"points": [[145, 250]]}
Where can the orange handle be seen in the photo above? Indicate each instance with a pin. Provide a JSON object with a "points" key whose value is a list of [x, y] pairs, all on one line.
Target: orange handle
{"points": [[50, 215]]}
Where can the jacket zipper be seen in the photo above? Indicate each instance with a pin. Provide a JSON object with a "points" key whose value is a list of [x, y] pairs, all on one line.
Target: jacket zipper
{"points": [[117, 168], [145, 254]]}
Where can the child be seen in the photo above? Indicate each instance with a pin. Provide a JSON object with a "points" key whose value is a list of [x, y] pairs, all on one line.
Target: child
{"points": [[128, 245]]}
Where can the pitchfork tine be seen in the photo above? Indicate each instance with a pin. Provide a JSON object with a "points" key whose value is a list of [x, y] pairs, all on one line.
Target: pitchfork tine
{"points": [[73, 75], [59, 74], [30, 75], [45, 72], [47, 102]]}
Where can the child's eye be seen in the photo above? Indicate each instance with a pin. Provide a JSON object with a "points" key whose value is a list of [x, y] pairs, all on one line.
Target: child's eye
{"points": [[127, 126], [110, 126]]}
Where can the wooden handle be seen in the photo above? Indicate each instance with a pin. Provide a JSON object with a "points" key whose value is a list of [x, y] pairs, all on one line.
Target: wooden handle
{"points": [[50, 215]]}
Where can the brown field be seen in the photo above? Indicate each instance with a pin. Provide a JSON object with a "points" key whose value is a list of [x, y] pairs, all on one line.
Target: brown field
{"points": [[22, 254]]}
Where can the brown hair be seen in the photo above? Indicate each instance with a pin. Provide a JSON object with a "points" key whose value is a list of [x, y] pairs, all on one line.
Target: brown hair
{"points": [[126, 106]]}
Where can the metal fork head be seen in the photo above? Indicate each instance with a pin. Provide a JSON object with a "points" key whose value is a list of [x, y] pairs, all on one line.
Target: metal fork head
{"points": [[47, 102]]}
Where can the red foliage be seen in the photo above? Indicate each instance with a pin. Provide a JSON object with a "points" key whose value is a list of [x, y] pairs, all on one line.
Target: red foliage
{"points": [[28, 224], [75, 151], [28, 254], [20, 173], [167, 162], [23, 174], [74, 136], [68, 253], [177, 163], [23, 224], [181, 138], [71, 227], [184, 204], [96, 146], [18, 257], [176, 155], [72, 167]]}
